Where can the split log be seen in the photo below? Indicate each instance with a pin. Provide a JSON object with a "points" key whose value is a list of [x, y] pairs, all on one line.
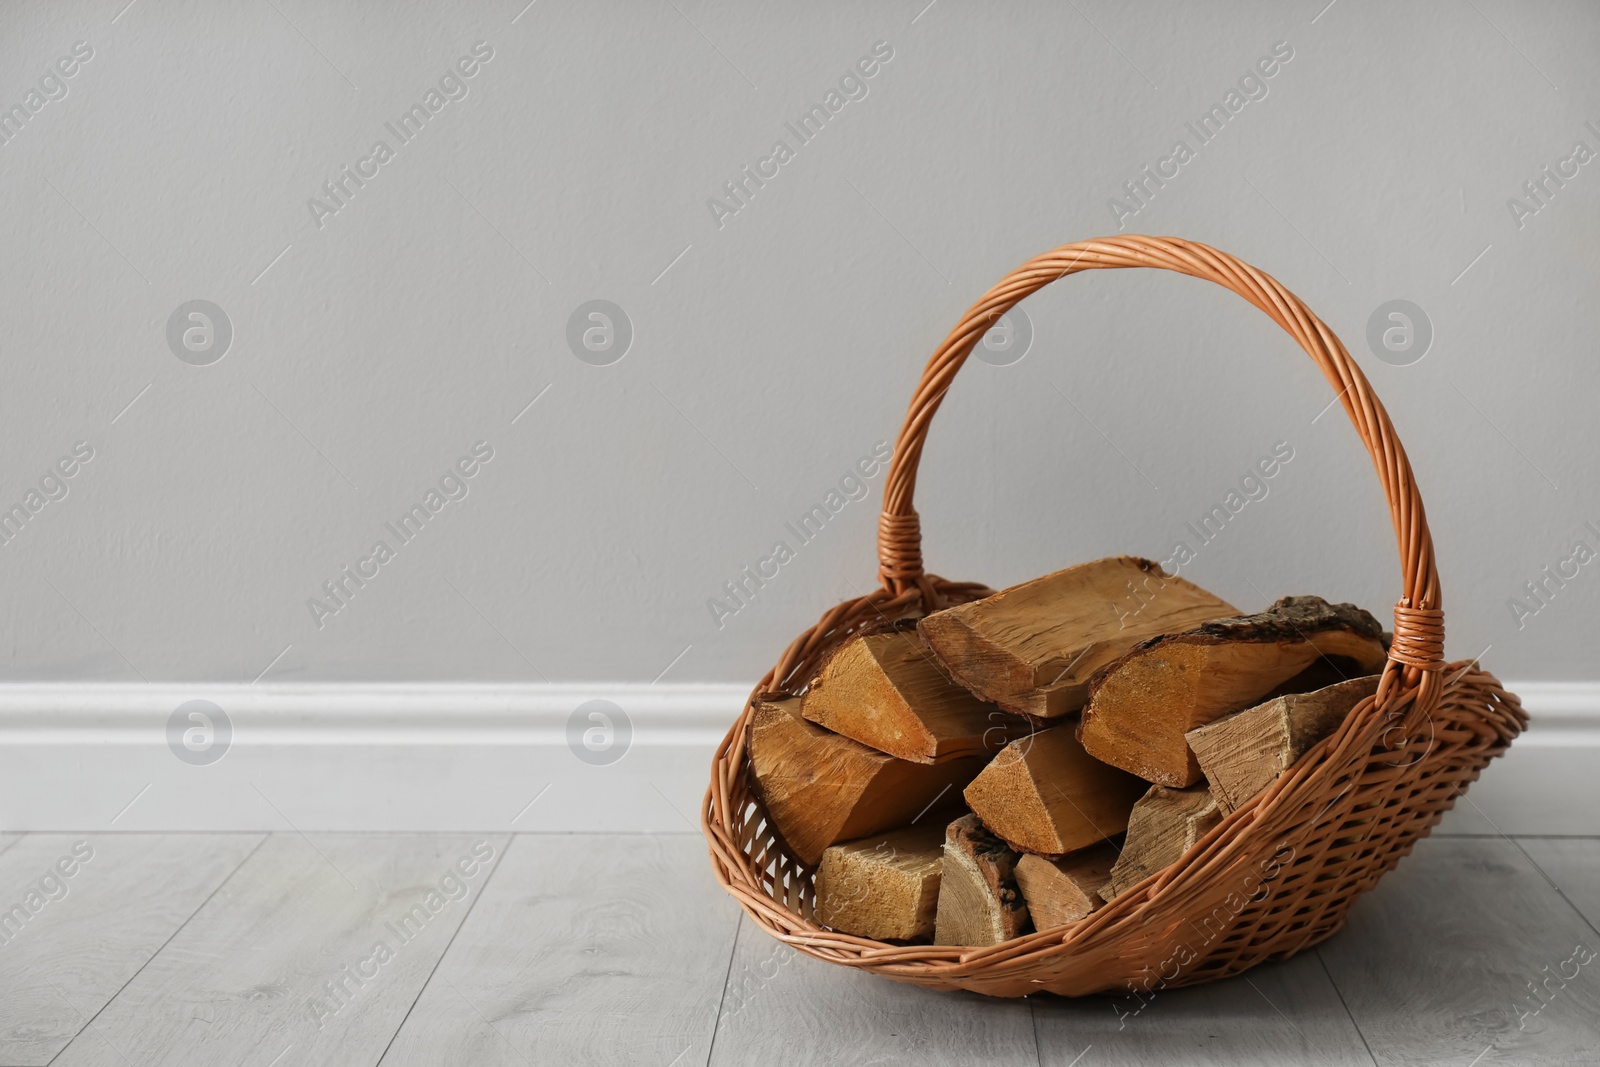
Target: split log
{"points": [[819, 788], [979, 902], [1033, 648], [884, 887], [1141, 706], [1064, 890], [1165, 824], [1240, 755], [1045, 794], [887, 691]]}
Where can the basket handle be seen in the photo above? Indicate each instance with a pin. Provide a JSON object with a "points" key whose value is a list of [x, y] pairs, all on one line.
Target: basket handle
{"points": [[1416, 656]]}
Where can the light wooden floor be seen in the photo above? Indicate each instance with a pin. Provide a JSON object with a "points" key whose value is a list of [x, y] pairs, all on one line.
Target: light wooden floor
{"points": [[567, 949]]}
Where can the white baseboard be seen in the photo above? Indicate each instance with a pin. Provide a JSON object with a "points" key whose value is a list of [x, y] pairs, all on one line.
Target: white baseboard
{"points": [[358, 757]]}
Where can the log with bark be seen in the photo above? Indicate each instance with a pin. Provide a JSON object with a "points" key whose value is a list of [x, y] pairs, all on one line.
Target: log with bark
{"points": [[1242, 754], [1045, 794], [979, 902], [1141, 706], [1033, 648], [819, 788], [887, 691], [884, 887], [1165, 824], [1062, 891]]}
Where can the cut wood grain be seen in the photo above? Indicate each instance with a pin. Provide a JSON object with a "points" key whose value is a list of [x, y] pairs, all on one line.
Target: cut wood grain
{"points": [[106, 903], [1062, 891], [284, 960], [887, 691], [1164, 825], [884, 887], [979, 902], [1141, 706], [1242, 754], [583, 948], [1043, 793], [1033, 648], [819, 788]]}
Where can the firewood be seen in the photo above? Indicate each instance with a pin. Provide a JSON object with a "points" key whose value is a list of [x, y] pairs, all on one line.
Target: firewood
{"points": [[884, 887], [1033, 648], [887, 691], [1141, 706], [819, 788], [1242, 754], [1043, 793], [1165, 824], [979, 902], [1065, 890]]}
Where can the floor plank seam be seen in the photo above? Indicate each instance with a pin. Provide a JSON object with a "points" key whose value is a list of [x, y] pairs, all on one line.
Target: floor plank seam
{"points": [[1514, 843], [1552, 882], [1317, 951], [1498, 834], [483, 889], [89, 1021], [733, 952], [1033, 1023]]}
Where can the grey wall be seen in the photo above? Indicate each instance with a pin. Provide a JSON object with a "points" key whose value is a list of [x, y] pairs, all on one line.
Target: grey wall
{"points": [[774, 347]]}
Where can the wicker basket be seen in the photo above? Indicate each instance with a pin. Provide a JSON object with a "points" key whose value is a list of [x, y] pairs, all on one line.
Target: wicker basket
{"points": [[1276, 876]]}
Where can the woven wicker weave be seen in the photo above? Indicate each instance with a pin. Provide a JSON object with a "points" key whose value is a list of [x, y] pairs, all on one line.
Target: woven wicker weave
{"points": [[1279, 874]]}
